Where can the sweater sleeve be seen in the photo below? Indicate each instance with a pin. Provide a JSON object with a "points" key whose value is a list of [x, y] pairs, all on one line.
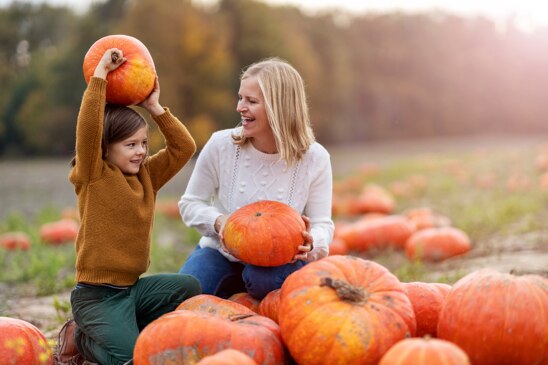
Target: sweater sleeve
{"points": [[89, 132], [195, 205], [180, 147], [318, 207]]}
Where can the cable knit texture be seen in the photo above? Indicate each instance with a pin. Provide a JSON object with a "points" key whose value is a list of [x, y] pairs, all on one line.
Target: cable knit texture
{"points": [[117, 210], [227, 177]]}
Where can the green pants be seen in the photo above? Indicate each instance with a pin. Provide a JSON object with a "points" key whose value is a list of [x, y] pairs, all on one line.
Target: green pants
{"points": [[109, 320]]}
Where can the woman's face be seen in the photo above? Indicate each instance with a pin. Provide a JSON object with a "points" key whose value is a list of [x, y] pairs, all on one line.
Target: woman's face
{"points": [[252, 108], [129, 153]]}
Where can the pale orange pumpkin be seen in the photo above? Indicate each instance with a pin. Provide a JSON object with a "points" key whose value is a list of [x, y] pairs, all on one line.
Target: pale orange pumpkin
{"points": [[270, 305], [22, 343], [59, 232], [427, 300], [425, 351], [343, 310], [436, 244], [133, 81], [264, 233], [247, 300], [15, 241], [207, 303], [227, 357]]}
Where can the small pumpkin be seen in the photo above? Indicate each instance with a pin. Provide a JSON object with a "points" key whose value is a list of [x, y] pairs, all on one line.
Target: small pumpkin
{"points": [[246, 300], [270, 305], [437, 244], [207, 303], [425, 351], [498, 318], [59, 232], [427, 300], [133, 81], [264, 233], [15, 241], [343, 310], [22, 343]]}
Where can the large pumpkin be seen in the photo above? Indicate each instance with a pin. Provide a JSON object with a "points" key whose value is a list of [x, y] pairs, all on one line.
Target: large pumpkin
{"points": [[498, 318], [133, 81], [425, 351], [185, 337], [343, 310], [21, 343], [207, 303], [264, 233], [227, 357]]}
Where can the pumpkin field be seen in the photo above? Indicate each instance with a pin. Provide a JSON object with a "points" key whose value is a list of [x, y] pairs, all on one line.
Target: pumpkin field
{"points": [[422, 219]]}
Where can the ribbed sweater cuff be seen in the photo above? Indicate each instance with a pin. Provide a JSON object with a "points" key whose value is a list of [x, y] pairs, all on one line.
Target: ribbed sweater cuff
{"points": [[97, 85]]}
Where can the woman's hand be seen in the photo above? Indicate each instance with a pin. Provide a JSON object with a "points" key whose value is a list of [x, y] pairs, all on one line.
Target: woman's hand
{"points": [[111, 60], [219, 228], [308, 244], [152, 102]]}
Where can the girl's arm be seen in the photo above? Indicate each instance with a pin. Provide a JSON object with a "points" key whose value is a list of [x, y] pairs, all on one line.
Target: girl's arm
{"points": [[180, 145], [89, 128]]}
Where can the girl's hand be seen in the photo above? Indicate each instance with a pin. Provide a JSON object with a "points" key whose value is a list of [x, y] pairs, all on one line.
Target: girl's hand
{"points": [[111, 60], [152, 102], [308, 244]]}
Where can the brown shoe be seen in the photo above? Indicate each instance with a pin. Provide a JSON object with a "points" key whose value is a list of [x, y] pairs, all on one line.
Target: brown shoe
{"points": [[66, 352]]}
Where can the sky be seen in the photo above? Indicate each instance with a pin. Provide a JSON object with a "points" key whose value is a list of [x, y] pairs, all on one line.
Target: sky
{"points": [[527, 14]]}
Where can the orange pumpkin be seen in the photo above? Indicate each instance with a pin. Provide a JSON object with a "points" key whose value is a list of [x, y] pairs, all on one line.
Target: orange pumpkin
{"points": [[338, 247], [227, 357], [58, 232], [15, 241], [425, 351], [498, 318], [264, 233], [133, 81], [270, 305], [207, 303], [427, 299], [378, 233], [343, 310], [186, 337], [21, 343], [436, 244], [426, 218], [372, 199], [246, 300]]}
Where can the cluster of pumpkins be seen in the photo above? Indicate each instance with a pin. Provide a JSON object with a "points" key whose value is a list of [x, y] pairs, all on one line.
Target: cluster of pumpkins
{"points": [[340, 310]]}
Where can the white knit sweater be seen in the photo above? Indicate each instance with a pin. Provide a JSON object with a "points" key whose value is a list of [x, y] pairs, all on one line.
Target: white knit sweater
{"points": [[227, 177]]}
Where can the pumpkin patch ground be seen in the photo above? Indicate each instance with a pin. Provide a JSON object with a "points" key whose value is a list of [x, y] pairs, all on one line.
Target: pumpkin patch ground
{"points": [[508, 228]]}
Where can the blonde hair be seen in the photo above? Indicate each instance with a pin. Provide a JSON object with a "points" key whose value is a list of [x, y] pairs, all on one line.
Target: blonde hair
{"points": [[286, 107]]}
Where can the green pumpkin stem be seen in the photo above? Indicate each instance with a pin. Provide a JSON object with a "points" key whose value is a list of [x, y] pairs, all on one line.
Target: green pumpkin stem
{"points": [[344, 290]]}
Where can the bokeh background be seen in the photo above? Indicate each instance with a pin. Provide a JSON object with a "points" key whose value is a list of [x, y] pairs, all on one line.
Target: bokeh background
{"points": [[372, 74]]}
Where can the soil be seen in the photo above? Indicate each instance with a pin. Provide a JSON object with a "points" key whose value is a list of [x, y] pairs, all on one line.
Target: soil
{"points": [[28, 186]]}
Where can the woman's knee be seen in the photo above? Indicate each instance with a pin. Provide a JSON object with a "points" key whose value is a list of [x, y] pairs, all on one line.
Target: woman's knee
{"points": [[259, 281]]}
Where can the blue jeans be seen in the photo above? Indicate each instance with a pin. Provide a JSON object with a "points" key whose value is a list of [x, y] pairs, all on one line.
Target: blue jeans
{"points": [[220, 277]]}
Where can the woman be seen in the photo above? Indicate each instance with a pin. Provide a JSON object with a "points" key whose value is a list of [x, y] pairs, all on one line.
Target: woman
{"points": [[271, 156]]}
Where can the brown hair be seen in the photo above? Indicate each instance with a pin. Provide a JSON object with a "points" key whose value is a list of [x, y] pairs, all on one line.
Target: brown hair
{"points": [[120, 123]]}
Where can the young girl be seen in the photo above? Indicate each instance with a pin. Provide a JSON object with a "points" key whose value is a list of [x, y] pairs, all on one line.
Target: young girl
{"points": [[116, 183], [271, 156]]}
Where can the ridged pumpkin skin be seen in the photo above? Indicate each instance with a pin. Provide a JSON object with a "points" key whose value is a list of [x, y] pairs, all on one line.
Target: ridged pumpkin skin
{"points": [[498, 319], [21, 343], [437, 244], [133, 81], [227, 357], [343, 310], [264, 233], [427, 300], [270, 305], [424, 351], [207, 303], [185, 337]]}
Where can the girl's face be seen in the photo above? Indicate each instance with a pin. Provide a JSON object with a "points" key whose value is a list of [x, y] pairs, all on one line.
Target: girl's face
{"points": [[252, 108], [129, 153]]}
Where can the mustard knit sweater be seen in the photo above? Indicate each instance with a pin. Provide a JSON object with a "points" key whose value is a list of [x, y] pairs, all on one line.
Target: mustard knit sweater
{"points": [[117, 210]]}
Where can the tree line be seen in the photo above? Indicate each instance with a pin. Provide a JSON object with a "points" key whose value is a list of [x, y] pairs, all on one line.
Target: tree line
{"points": [[369, 77]]}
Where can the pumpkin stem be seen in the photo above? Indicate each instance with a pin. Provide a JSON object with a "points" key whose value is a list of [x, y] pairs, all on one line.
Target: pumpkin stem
{"points": [[344, 290], [114, 57]]}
